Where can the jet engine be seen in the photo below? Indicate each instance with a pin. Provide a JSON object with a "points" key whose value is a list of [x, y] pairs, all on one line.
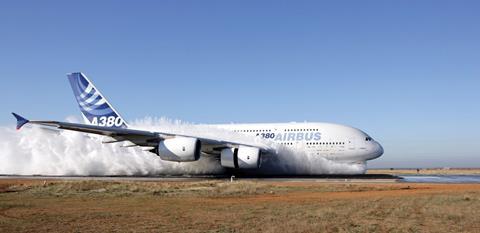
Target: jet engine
{"points": [[244, 157], [179, 149]]}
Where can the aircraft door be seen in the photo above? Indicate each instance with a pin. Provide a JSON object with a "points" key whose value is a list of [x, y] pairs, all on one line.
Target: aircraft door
{"points": [[351, 144]]}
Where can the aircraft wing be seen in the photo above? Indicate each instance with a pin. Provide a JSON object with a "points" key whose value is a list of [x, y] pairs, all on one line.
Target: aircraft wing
{"points": [[141, 138]]}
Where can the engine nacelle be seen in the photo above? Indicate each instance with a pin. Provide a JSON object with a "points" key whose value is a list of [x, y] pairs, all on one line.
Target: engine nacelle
{"points": [[179, 149], [244, 157]]}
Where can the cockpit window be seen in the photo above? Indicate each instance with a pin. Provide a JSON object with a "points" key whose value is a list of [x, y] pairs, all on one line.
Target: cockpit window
{"points": [[368, 139]]}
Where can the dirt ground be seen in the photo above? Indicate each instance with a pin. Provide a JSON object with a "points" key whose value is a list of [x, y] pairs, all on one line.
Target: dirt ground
{"points": [[241, 206]]}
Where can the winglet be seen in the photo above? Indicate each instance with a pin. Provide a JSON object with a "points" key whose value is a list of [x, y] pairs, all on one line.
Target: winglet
{"points": [[20, 120]]}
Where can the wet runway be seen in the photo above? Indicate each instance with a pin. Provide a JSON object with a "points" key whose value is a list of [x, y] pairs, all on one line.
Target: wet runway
{"points": [[448, 179], [444, 179]]}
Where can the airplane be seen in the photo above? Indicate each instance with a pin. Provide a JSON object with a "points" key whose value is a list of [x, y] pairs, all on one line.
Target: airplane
{"points": [[334, 142]]}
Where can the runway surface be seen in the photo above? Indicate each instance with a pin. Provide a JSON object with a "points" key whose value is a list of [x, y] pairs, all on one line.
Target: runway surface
{"points": [[447, 179]]}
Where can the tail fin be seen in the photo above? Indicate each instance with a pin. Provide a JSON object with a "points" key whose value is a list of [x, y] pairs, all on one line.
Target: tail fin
{"points": [[95, 108]]}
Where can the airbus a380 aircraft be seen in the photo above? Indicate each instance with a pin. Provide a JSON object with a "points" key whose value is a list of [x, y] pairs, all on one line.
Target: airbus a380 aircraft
{"points": [[332, 141]]}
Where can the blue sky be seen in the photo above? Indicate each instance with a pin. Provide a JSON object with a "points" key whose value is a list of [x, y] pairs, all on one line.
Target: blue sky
{"points": [[406, 72]]}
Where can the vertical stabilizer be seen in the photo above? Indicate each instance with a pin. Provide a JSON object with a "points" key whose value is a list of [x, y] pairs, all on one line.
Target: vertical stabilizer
{"points": [[94, 107]]}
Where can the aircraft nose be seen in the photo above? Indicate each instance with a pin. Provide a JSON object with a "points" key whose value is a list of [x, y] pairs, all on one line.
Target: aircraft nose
{"points": [[378, 151]]}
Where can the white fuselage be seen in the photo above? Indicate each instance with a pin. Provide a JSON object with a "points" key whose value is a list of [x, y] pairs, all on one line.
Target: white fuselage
{"points": [[331, 141]]}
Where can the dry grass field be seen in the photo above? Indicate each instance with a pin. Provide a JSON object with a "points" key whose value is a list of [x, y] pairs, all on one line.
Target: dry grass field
{"points": [[241, 206]]}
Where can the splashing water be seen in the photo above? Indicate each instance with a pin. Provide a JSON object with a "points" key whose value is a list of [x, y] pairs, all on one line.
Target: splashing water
{"points": [[40, 151]]}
